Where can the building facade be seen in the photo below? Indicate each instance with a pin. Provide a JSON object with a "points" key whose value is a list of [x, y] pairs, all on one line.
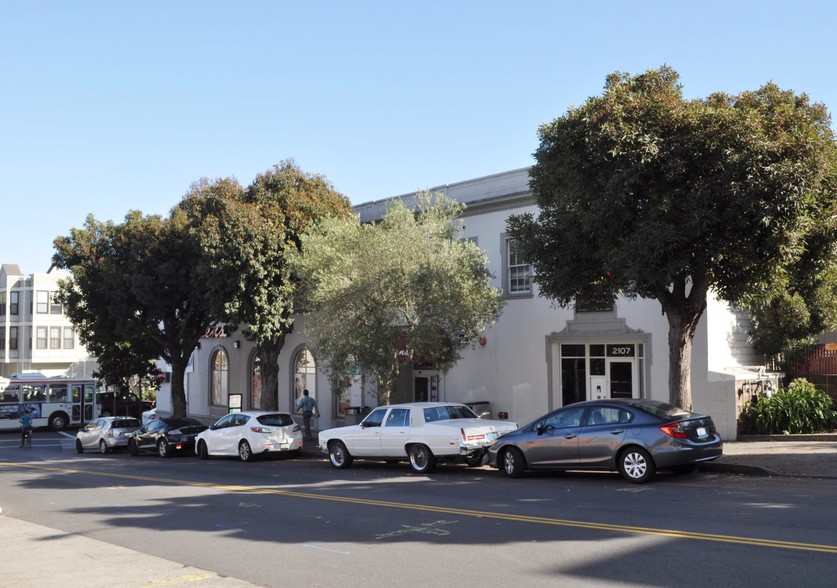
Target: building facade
{"points": [[537, 357], [35, 335]]}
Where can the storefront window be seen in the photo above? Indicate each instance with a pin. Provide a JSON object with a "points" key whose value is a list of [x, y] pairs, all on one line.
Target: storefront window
{"points": [[219, 380], [304, 376]]}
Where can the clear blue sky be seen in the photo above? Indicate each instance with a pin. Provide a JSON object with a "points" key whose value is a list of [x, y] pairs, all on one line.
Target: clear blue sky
{"points": [[109, 106]]}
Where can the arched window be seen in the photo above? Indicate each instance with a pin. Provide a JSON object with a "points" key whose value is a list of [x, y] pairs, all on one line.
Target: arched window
{"points": [[219, 378], [256, 381], [304, 376]]}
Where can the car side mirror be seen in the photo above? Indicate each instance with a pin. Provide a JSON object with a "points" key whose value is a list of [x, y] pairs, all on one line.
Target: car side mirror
{"points": [[540, 429]]}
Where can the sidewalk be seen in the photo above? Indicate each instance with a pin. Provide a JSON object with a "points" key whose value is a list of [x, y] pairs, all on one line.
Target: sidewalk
{"points": [[101, 565], [781, 456]]}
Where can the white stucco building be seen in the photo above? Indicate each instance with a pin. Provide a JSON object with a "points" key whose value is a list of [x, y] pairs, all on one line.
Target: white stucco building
{"points": [[35, 335], [536, 358]]}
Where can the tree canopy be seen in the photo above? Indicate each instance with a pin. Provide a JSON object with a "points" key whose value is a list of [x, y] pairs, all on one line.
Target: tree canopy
{"points": [[250, 234], [147, 285], [788, 320], [151, 286], [401, 290], [645, 193]]}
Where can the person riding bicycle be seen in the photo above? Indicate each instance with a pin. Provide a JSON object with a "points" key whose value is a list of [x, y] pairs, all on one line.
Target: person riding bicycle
{"points": [[25, 426]]}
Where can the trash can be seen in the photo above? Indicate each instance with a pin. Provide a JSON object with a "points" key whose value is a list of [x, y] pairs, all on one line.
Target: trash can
{"points": [[481, 409]]}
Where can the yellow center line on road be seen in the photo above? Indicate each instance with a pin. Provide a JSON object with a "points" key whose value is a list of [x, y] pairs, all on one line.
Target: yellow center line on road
{"points": [[672, 533]]}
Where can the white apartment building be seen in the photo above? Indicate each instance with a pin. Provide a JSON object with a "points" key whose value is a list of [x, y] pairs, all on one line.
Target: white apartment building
{"points": [[35, 335], [537, 357]]}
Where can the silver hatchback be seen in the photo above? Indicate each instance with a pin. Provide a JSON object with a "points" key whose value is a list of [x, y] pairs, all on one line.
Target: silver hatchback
{"points": [[106, 434]]}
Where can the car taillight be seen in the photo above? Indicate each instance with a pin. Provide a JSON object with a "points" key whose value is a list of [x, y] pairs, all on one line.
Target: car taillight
{"points": [[478, 437], [109, 433], [674, 430], [260, 429]]}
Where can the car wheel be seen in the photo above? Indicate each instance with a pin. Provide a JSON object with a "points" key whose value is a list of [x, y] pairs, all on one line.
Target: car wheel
{"points": [[132, 448], [339, 456], [636, 465], [203, 452], [244, 451], [163, 449], [79, 447], [58, 421], [422, 459], [103, 447], [513, 462]]}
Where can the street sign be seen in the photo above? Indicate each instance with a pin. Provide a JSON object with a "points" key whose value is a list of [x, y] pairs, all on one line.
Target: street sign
{"points": [[831, 346]]}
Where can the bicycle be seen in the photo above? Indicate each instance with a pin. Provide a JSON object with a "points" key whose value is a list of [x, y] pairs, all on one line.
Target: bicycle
{"points": [[26, 437]]}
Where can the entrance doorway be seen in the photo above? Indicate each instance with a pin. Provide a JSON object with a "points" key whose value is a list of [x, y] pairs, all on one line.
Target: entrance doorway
{"points": [[425, 386], [621, 378], [599, 371]]}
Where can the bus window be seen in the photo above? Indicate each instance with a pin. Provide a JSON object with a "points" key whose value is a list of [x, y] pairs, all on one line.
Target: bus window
{"points": [[57, 393], [34, 393], [11, 394]]}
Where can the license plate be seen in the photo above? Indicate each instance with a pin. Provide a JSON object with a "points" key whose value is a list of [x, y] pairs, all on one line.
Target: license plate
{"points": [[701, 431], [281, 445]]}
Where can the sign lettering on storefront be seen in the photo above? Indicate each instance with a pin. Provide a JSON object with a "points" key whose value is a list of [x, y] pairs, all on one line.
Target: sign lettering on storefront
{"points": [[215, 332]]}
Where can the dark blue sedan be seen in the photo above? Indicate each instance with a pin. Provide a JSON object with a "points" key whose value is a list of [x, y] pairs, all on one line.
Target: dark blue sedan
{"points": [[634, 437]]}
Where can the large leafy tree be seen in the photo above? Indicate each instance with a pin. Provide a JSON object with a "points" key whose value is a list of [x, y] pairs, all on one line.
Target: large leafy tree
{"points": [[147, 282], [120, 358], [405, 289], [789, 319], [250, 234], [645, 193]]}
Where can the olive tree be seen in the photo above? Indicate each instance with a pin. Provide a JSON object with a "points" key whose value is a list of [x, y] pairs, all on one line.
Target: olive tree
{"points": [[380, 295]]}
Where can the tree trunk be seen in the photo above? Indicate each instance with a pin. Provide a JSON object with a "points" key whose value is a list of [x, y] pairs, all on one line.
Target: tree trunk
{"points": [[178, 389], [269, 356], [683, 313], [681, 331]]}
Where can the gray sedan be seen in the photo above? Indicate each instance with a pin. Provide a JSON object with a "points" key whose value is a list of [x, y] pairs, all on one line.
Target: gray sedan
{"points": [[631, 436]]}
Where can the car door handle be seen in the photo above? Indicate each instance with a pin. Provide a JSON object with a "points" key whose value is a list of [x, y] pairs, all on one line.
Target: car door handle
{"points": [[570, 436], [617, 431]]}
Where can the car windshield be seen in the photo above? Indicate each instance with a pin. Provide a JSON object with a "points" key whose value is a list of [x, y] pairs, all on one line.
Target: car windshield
{"points": [[275, 420], [662, 410], [446, 413], [125, 424]]}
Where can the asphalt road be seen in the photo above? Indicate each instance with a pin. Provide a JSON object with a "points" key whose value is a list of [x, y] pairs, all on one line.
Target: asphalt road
{"points": [[299, 522]]}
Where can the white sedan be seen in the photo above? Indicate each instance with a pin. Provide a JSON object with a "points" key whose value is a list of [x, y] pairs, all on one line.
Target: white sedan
{"points": [[421, 432], [250, 433]]}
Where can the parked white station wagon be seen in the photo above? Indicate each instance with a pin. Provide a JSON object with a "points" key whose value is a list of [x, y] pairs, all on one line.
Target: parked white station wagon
{"points": [[421, 432]]}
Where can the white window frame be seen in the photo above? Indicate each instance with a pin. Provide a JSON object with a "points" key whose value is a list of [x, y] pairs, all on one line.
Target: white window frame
{"points": [[41, 338], [515, 271], [42, 302]]}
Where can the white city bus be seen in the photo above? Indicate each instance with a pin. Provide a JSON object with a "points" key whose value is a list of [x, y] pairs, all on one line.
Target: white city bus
{"points": [[53, 402]]}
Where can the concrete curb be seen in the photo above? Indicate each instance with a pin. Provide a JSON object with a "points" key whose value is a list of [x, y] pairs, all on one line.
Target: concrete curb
{"points": [[752, 470]]}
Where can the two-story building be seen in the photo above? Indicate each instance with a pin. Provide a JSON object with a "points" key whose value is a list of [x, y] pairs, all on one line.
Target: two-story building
{"points": [[537, 357]]}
